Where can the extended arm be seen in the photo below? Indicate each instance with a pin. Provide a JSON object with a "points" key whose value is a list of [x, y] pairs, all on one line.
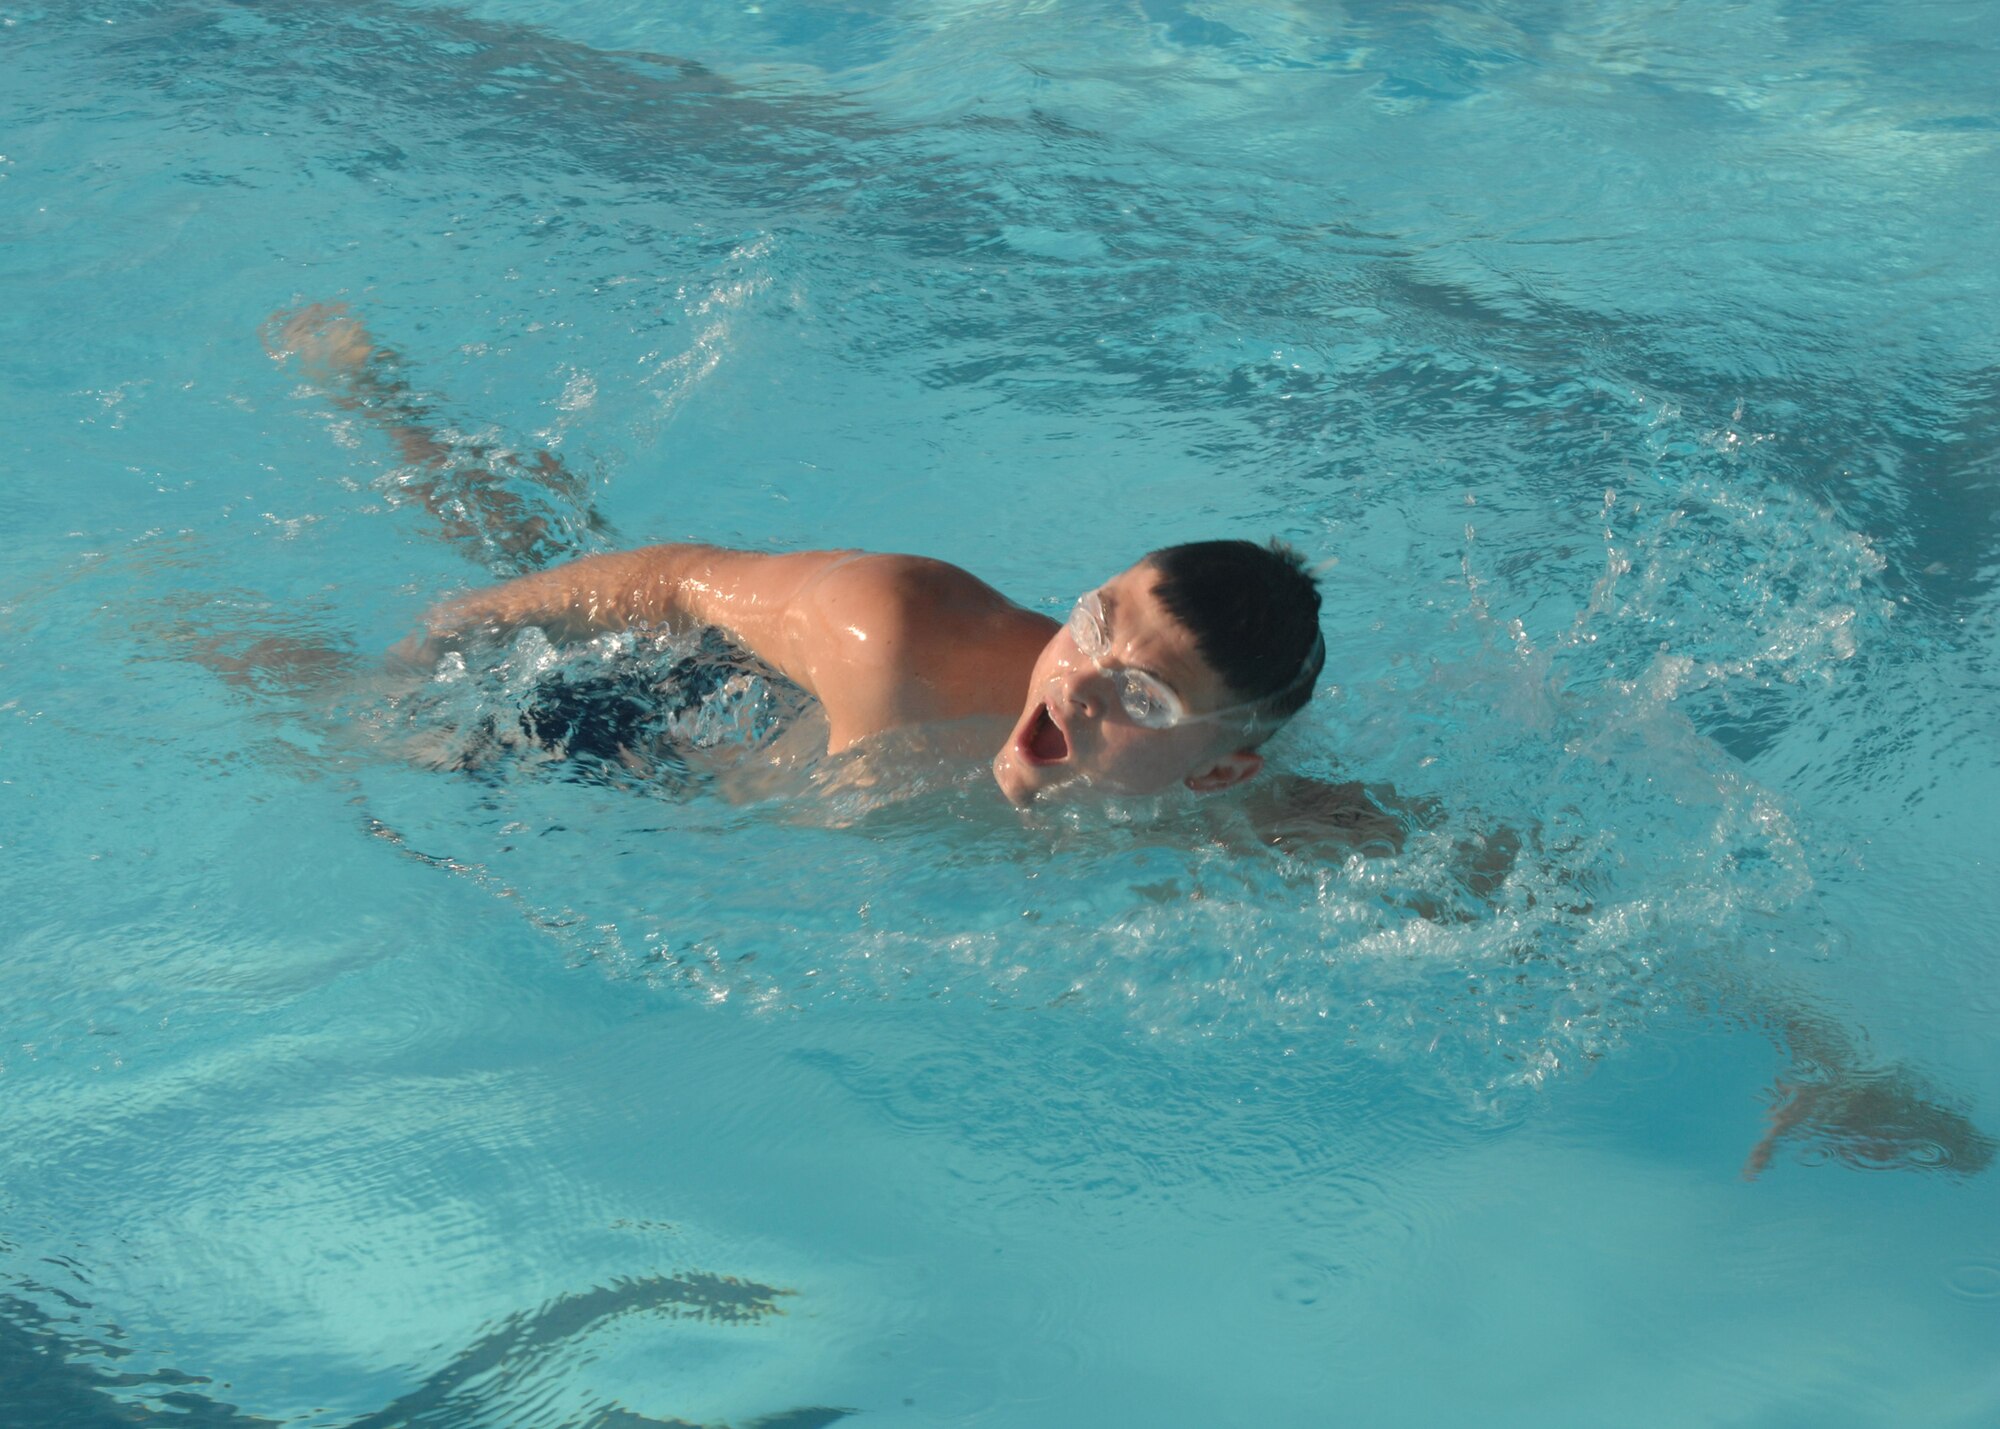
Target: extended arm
{"points": [[757, 600]]}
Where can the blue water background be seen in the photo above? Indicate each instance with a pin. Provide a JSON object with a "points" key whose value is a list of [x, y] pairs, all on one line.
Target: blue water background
{"points": [[1632, 370]]}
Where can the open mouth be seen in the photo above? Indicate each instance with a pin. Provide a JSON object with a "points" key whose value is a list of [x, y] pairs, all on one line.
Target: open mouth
{"points": [[1043, 741]]}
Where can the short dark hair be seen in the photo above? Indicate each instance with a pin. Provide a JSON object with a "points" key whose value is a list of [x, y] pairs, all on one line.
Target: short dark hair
{"points": [[1254, 613]]}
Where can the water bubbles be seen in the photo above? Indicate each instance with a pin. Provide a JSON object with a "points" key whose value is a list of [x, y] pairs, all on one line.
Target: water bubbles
{"points": [[579, 392]]}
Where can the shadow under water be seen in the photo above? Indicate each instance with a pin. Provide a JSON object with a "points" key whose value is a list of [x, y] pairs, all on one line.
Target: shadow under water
{"points": [[49, 1380]]}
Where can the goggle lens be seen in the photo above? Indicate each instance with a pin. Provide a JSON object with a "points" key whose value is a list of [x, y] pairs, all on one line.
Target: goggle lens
{"points": [[1148, 703], [1086, 629], [1145, 698]]}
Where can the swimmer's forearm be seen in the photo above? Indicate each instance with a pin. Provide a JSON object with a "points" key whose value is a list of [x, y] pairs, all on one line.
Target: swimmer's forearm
{"points": [[655, 587]]}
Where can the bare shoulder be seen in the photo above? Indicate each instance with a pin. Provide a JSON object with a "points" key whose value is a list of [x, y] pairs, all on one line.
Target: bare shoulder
{"points": [[916, 582], [908, 603], [892, 640]]}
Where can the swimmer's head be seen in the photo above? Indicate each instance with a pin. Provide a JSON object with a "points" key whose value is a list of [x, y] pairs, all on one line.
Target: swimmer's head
{"points": [[1172, 672]]}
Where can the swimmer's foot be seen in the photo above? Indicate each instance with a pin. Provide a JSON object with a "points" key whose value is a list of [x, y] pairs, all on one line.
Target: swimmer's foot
{"points": [[467, 485], [339, 357], [1873, 1118], [334, 350]]}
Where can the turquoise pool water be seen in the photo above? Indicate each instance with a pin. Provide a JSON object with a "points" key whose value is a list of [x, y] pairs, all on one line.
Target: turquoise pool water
{"points": [[1633, 370]]}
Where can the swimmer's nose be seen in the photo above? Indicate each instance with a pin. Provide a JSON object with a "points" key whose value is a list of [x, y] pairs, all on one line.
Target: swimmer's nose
{"points": [[1078, 690]]}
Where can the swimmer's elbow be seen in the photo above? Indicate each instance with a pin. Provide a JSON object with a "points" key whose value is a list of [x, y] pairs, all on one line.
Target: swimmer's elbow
{"points": [[559, 607]]}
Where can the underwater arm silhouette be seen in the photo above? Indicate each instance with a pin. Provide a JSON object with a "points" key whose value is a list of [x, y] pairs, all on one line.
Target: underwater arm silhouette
{"points": [[1317, 818], [1300, 814]]}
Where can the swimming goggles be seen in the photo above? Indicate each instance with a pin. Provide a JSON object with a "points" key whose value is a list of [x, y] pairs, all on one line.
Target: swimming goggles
{"points": [[1149, 701]]}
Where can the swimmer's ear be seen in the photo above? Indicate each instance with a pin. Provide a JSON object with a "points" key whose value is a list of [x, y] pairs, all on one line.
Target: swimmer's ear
{"points": [[1228, 771]]}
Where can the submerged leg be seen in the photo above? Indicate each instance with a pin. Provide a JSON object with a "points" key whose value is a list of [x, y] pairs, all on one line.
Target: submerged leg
{"points": [[1862, 1114], [465, 485]]}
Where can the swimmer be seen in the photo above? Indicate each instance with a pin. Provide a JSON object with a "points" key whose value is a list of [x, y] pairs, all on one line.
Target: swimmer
{"points": [[1172, 673]]}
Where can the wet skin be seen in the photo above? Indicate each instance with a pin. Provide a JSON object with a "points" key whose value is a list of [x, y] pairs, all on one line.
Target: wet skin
{"points": [[884, 642], [887, 641]]}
